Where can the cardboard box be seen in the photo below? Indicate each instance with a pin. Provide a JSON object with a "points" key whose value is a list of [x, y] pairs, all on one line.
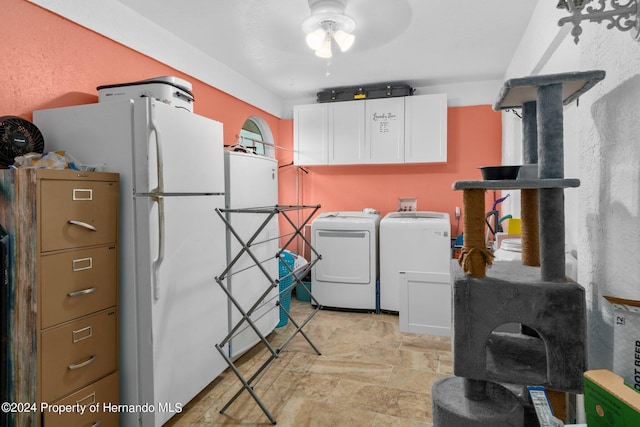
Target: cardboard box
{"points": [[626, 340], [608, 401]]}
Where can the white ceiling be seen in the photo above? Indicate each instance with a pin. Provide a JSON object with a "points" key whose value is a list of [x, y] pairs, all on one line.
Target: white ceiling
{"points": [[420, 42], [255, 50]]}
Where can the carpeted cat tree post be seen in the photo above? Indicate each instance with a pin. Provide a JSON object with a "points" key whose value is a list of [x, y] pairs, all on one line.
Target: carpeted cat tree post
{"points": [[492, 369], [529, 196]]}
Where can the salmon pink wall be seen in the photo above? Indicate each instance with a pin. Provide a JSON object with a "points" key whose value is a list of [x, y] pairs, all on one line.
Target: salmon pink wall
{"points": [[51, 62], [474, 140]]}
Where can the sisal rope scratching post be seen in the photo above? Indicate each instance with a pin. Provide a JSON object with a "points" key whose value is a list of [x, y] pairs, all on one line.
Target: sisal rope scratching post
{"points": [[530, 227], [474, 256]]}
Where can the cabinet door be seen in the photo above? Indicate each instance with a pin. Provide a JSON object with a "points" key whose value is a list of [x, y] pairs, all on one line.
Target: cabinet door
{"points": [[426, 128], [346, 132], [425, 303], [385, 130], [310, 134]]}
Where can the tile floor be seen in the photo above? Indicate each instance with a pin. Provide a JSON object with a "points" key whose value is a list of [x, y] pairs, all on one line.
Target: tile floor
{"points": [[369, 374]]}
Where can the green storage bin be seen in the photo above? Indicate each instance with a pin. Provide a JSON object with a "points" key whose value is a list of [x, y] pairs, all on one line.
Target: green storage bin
{"points": [[301, 292], [286, 263]]}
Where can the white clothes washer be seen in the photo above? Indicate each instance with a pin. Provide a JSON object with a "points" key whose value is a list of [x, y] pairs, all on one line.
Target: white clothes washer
{"points": [[347, 273], [413, 241]]}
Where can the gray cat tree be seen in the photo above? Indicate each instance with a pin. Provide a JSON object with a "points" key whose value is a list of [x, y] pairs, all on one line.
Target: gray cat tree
{"points": [[492, 369]]}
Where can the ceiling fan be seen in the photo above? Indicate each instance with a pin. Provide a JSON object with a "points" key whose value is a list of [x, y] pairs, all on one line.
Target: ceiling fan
{"points": [[326, 24]]}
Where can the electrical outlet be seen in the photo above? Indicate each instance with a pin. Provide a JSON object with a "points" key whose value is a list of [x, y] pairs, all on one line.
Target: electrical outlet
{"points": [[457, 212]]}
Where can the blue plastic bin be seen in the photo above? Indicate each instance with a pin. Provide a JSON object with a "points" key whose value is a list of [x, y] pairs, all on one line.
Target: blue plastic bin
{"points": [[286, 279], [301, 293]]}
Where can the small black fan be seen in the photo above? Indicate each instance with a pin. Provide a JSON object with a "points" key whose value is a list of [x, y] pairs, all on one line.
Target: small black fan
{"points": [[18, 137]]}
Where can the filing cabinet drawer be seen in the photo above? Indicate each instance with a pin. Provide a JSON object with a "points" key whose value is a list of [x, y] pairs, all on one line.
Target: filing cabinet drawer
{"points": [[91, 397], [77, 283], [77, 213], [78, 353]]}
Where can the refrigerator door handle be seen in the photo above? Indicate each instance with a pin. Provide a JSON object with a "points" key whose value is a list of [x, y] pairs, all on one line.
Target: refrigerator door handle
{"points": [[158, 261], [159, 156]]}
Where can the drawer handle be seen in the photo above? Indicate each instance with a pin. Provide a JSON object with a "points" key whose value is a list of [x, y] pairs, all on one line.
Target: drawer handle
{"points": [[82, 264], [83, 224], [97, 423], [82, 194], [83, 292], [73, 367]]}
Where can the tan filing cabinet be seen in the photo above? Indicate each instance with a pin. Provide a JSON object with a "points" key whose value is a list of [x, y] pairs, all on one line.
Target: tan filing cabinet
{"points": [[63, 228]]}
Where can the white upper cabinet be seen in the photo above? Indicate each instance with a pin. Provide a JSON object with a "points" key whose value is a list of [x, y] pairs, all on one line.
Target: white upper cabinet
{"points": [[310, 134], [346, 133], [411, 129], [385, 130], [425, 128]]}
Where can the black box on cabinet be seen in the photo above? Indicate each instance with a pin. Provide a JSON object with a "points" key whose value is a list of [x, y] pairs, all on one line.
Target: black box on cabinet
{"points": [[351, 93]]}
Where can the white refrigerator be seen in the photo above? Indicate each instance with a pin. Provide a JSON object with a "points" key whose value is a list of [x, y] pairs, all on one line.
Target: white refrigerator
{"points": [[172, 244], [251, 181]]}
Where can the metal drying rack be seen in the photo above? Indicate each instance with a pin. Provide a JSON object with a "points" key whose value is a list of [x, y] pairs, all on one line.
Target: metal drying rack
{"points": [[270, 213]]}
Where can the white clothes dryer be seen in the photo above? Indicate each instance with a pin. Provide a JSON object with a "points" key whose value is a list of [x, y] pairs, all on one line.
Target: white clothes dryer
{"points": [[347, 273], [411, 241]]}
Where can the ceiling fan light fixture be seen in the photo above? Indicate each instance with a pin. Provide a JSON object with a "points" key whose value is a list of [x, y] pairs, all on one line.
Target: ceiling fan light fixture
{"points": [[316, 38], [325, 49], [328, 22], [344, 40]]}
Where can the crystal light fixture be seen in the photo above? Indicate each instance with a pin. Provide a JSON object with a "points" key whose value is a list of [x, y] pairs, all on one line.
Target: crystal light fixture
{"points": [[328, 24], [623, 15]]}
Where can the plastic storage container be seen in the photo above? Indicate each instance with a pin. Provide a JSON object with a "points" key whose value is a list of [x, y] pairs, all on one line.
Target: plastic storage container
{"points": [[286, 264], [169, 90], [301, 292]]}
